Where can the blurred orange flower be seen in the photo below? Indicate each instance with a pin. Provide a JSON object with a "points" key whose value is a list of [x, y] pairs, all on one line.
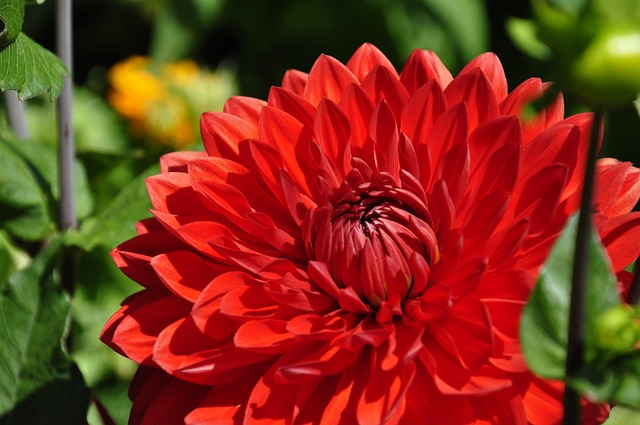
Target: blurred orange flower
{"points": [[163, 101]]}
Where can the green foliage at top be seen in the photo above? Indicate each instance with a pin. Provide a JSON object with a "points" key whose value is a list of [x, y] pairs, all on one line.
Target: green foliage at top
{"points": [[11, 18], [594, 46], [25, 66], [611, 369]]}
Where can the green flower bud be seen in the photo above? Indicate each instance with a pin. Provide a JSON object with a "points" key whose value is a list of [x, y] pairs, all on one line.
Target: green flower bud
{"points": [[607, 73], [618, 329]]}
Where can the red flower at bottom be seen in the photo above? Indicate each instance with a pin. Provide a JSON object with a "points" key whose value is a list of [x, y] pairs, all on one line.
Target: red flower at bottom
{"points": [[358, 250]]}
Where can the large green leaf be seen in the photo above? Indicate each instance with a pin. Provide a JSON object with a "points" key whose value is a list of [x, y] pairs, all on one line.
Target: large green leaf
{"points": [[545, 320], [38, 382], [23, 205], [11, 18], [42, 160], [116, 223], [30, 69]]}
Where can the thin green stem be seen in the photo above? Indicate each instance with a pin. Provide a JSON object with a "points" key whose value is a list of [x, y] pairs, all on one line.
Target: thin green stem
{"points": [[577, 312], [66, 148]]}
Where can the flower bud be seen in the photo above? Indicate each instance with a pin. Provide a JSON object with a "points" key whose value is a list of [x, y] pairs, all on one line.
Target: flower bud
{"points": [[618, 329]]}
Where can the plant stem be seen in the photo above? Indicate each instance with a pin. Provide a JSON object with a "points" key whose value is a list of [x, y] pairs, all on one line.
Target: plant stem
{"points": [[633, 297], [66, 149], [16, 114], [577, 312]]}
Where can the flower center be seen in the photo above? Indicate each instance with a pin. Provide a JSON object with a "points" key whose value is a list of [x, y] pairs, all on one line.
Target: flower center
{"points": [[374, 236]]}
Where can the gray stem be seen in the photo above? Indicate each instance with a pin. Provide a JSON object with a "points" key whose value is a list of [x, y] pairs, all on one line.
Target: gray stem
{"points": [[66, 149], [16, 114]]}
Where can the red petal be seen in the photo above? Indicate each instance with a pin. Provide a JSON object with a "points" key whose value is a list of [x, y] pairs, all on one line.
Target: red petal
{"points": [[317, 327], [184, 352], [421, 112], [453, 169], [621, 238], [134, 256], [424, 400], [492, 69], [483, 219], [185, 273], [507, 285], [539, 196], [172, 193], [529, 90], [206, 312], [366, 58], [142, 318], [505, 318], [293, 104], [617, 187], [176, 162], [382, 400], [248, 303], [422, 67], [449, 130], [295, 81], [223, 405], [383, 84], [325, 361], [332, 132], [559, 144], [451, 378], [327, 78], [320, 275], [161, 398], [356, 105], [475, 91], [247, 108], [384, 133], [290, 291], [222, 133], [268, 336], [283, 132], [465, 333], [490, 137]]}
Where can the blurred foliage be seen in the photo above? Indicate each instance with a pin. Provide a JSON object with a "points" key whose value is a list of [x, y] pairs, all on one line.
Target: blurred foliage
{"points": [[33, 69]]}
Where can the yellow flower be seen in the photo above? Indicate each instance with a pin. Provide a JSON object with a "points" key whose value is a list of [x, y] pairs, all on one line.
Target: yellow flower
{"points": [[163, 102]]}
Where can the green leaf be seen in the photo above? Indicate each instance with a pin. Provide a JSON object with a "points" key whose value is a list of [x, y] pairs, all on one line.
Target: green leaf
{"points": [[38, 382], [116, 223], [545, 320], [615, 381], [11, 18], [523, 35], [30, 69], [23, 205], [43, 162]]}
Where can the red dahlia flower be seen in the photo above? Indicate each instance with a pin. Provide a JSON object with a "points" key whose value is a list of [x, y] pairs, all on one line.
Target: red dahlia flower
{"points": [[358, 249]]}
